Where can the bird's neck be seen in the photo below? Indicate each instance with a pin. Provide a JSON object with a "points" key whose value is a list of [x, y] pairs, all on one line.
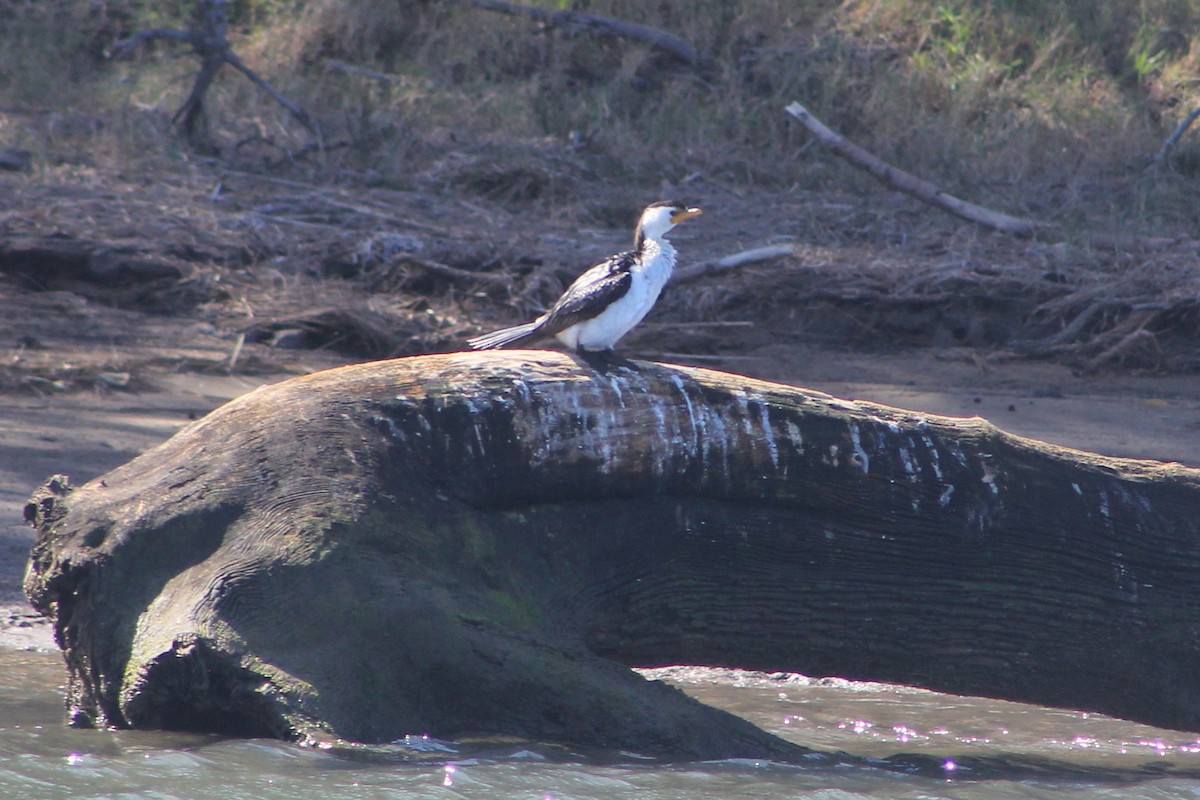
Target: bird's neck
{"points": [[652, 244], [657, 256], [650, 248]]}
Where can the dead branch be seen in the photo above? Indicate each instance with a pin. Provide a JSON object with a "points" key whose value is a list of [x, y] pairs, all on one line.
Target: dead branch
{"points": [[1075, 328], [693, 326], [669, 43], [1071, 332], [210, 41], [357, 331], [354, 69], [15, 160], [1160, 159], [752, 256], [1139, 347], [449, 272], [908, 183]]}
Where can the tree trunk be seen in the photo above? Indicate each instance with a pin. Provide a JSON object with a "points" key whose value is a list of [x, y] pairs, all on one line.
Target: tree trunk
{"points": [[477, 543]]}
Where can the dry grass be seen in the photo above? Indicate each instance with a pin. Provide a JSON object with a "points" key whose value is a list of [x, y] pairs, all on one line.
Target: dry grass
{"points": [[1044, 108], [456, 128]]}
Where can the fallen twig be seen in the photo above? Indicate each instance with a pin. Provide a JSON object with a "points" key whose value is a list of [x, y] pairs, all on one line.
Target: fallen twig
{"points": [[210, 41], [717, 323], [1071, 332], [354, 330], [1140, 346], [235, 353], [683, 358], [669, 43], [15, 160], [752, 256], [1160, 159], [910, 184], [362, 72], [449, 272]]}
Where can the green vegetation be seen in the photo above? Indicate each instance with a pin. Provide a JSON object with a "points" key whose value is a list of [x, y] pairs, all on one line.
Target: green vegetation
{"points": [[1031, 105]]}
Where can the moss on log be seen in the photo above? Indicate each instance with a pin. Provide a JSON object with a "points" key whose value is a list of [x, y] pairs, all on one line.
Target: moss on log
{"points": [[481, 544]]}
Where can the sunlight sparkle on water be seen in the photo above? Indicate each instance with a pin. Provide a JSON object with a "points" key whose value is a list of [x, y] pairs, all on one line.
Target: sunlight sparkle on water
{"points": [[1157, 745], [858, 725], [906, 734]]}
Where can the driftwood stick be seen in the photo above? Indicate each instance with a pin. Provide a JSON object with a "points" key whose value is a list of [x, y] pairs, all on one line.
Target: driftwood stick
{"points": [[908, 183], [15, 160], [1070, 333], [1139, 342], [449, 272], [752, 256], [688, 326], [669, 43], [355, 69], [1160, 159]]}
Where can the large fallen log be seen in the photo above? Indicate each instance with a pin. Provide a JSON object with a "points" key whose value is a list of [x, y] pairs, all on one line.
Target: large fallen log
{"points": [[480, 543]]}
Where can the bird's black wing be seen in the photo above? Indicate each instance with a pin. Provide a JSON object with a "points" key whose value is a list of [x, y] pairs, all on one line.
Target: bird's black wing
{"points": [[591, 293]]}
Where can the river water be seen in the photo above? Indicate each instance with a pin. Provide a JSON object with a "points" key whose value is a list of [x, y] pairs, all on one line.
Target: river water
{"points": [[979, 749]]}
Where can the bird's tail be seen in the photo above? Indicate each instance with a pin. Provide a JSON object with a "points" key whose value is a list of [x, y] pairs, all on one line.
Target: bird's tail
{"points": [[517, 334]]}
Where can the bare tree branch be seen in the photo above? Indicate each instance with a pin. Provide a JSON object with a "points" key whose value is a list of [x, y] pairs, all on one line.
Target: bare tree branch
{"points": [[210, 41], [669, 43], [908, 183], [295, 110]]}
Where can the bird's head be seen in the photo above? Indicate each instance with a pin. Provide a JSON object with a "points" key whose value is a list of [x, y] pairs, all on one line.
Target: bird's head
{"points": [[660, 217]]}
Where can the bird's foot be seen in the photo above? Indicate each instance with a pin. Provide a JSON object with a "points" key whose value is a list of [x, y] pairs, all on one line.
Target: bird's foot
{"points": [[604, 360]]}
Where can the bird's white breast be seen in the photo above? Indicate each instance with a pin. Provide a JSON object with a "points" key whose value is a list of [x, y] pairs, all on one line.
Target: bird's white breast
{"points": [[649, 276]]}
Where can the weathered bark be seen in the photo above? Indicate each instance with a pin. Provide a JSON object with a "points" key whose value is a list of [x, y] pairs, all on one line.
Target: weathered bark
{"points": [[476, 543]]}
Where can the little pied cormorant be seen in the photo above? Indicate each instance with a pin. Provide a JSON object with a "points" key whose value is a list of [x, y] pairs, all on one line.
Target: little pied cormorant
{"points": [[609, 299]]}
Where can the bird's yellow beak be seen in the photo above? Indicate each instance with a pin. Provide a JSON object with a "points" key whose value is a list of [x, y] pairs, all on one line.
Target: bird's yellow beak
{"points": [[687, 213]]}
